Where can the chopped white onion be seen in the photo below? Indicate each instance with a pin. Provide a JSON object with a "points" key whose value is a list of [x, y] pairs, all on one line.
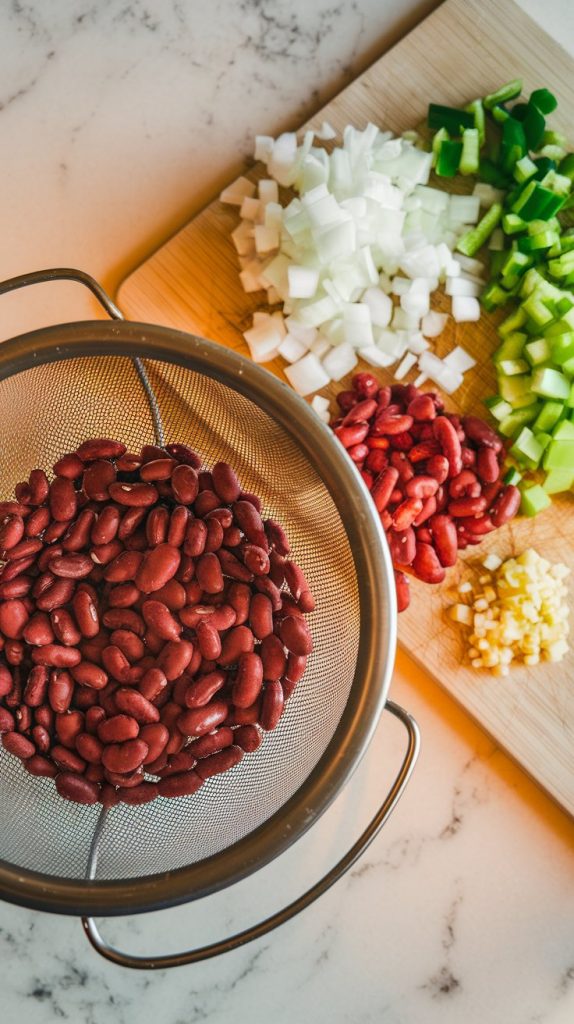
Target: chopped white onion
{"points": [[307, 375], [320, 404], [364, 226], [465, 309], [433, 323]]}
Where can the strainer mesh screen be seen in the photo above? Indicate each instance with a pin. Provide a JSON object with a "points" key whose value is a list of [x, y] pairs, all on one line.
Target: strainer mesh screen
{"points": [[48, 411]]}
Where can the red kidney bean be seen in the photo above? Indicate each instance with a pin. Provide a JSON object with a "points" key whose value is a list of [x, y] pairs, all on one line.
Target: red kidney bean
{"points": [[209, 574], [248, 681], [214, 538], [476, 525], [76, 788], [506, 505], [11, 531], [361, 412], [156, 736], [239, 597], [255, 558], [480, 433], [68, 725], [36, 687], [124, 567], [134, 495], [383, 487], [158, 567], [129, 644], [449, 442], [40, 735], [366, 385], [174, 658], [18, 745], [88, 674], [143, 794], [18, 587], [150, 452], [86, 614], [225, 482], [261, 616], [296, 665], [124, 758], [13, 618], [183, 453], [346, 400], [421, 487], [118, 729], [63, 499], [94, 716], [68, 760], [406, 513], [172, 595], [238, 641], [271, 706], [487, 465], [422, 408], [65, 630], [133, 703], [444, 539], [89, 748], [41, 766], [100, 448], [6, 681], [277, 537], [115, 663], [402, 546], [467, 506], [58, 657], [70, 466], [159, 618], [220, 762], [294, 632], [232, 567], [27, 547], [248, 519], [429, 508], [208, 640], [158, 469], [195, 538], [465, 485], [352, 435], [105, 528], [248, 737], [124, 618], [60, 691], [185, 484], [180, 785], [44, 716], [201, 690], [199, 721], [14, 652], [157, 523], [23, 718], [426, 564], [152, 684], [38, 487]]}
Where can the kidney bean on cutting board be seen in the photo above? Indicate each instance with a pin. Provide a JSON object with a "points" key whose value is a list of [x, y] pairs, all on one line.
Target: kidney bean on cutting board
{"points": [[415, 459], [152, 622]]}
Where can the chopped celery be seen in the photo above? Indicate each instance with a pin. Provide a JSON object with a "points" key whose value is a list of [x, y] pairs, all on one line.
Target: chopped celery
{"points": [[509, 426], [558, 480], [512, 476], [513, 367], [514, 144], [548, 416], [440, 137], [559, 455], [506, 92], [470, 151], [494, 296], [534, 500], [512, 224], [533, 126], [516, 390], [537, 351], [498, 407], [524, 169], [564, 431], [448, 161], [477, 110], [526, 449], [512, 347], [451, 118], [550, 383], [562, 347], [569, 400], [472, 241]]}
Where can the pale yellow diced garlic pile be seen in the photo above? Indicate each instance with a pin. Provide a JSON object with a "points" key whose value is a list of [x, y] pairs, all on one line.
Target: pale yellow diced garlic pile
{"points": [[518, 612]]}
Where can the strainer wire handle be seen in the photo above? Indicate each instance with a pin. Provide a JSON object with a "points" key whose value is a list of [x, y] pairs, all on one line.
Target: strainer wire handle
{"points": [[192, 956], [80, 276]]}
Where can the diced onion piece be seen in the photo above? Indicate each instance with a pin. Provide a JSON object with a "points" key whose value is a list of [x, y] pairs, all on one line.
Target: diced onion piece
{"points": [[250, 209], [291, 349], [487, 195], [264, 340], [492, 562], [320, 404], [454, 285], [375, 356], [340, 361], [268, 191], [461, 613], [405, 365], [470, 265], [266, 239], [357, 327], [303, 281], [263, 147], [300, 331], [326, 132], [380, 306], [416, 342], [465, 209], [465, 309], [320, 346], [307, 375], [459, 360], [243, 238], [283, 159], [235, 193], [433, 324]]}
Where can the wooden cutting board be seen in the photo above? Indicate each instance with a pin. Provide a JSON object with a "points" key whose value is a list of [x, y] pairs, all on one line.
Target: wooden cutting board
{"points": [[465, 49]]}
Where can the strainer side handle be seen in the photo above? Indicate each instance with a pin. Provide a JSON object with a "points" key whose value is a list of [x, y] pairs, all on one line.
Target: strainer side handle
{"points": [[192, 956], [63, 274]]}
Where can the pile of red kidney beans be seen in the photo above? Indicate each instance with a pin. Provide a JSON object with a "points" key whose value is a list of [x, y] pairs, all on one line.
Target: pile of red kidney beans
{"points": [[435, 478], [152, 624]]}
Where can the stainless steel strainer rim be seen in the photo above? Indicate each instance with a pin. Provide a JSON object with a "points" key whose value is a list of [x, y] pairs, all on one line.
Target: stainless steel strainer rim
{"points": [[378, 632]]}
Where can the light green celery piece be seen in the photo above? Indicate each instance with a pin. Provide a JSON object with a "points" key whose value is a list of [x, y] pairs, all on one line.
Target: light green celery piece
{"points": [[534, 500]]}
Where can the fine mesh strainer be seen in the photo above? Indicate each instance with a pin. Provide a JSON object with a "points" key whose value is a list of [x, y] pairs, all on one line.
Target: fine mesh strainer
{"points": [[141, 384]]}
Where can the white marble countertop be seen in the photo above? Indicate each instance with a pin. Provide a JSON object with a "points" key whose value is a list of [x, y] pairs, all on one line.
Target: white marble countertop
{"points": [[119, 119]]}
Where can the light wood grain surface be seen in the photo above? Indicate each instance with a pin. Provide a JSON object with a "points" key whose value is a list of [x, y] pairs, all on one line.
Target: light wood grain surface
{"points": [[464, 49]]}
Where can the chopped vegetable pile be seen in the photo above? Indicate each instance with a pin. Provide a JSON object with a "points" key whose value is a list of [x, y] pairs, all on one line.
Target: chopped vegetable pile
{"points": [[518, 612], [354, 258], [529, 175]]}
